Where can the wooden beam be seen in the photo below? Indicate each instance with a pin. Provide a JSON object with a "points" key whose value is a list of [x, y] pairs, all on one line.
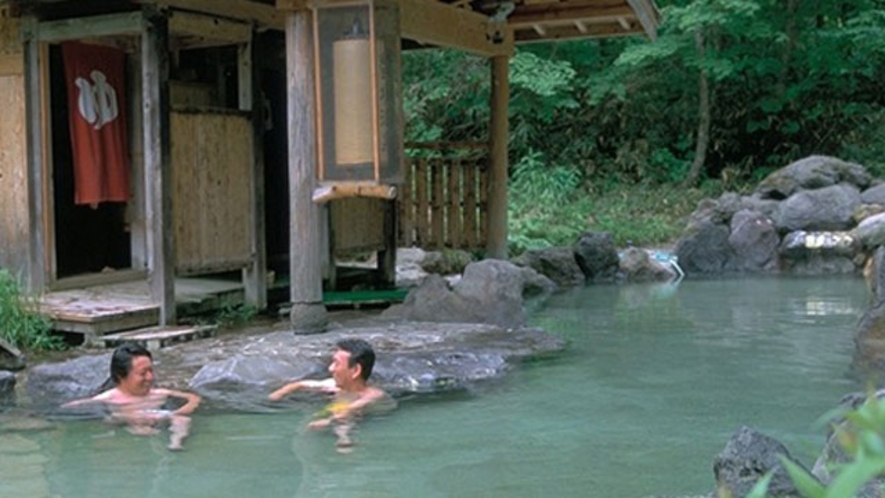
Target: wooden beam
{"points": [[34, 103], [209, 27], [624, 23], [249, 75], [496, 245], [130, 23], [647, 15], [157, 163], [266, 16], [570, 32], [308, 314], [587, 14], [582, 27], [435, 23], [328, 193]]}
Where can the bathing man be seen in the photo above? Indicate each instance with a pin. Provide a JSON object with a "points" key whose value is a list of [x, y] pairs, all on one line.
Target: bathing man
{"points": [[351, 367], [134, 401]]}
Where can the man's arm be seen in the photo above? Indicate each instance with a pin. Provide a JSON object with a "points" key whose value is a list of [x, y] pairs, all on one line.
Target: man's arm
{"points": [[325, 385], [192, 400]]}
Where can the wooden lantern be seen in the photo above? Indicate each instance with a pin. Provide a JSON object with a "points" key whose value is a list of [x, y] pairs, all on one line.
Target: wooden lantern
{"points": [[359, 119]]}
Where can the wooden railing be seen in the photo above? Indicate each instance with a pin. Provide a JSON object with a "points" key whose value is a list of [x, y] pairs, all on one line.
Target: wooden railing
{"points": [[442, 202]]}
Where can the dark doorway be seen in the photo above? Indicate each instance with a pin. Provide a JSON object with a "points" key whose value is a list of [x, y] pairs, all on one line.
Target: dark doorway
{"points": [[87, 239]]}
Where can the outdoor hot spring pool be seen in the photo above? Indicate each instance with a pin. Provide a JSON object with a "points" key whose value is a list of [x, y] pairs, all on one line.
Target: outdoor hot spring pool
{"points": [[654, 382]]}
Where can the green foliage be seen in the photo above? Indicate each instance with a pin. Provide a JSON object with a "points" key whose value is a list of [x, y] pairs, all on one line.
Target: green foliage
{"points": [[19, 325], [861, 434], [232, 315]]}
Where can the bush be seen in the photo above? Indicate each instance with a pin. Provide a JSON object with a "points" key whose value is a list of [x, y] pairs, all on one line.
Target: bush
{"points": [[19, 324], [861, 435]]}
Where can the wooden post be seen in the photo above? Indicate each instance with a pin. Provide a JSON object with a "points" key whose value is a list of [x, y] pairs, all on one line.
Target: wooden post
{"points": [[157, 163], [34, 95], [496, 245], [305, 249], [137, 228], [255, 276]]}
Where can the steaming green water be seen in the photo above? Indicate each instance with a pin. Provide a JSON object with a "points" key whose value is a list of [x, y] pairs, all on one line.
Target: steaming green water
{"points": [[653, 384]]}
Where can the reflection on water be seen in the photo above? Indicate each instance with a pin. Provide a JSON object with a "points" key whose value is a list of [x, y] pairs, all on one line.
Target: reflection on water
{"points": [[655, 380]]}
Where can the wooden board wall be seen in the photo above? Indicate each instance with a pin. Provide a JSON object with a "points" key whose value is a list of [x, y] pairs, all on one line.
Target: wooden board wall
{"points": [[14, 240], [357, 225], [211, 203]]}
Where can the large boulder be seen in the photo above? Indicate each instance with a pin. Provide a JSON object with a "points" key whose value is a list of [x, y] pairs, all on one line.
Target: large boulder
{"points": [[10, 357], [819, 253], [833, 454], [874, 195], [556, 263], [871, 231], [869, 340], [51, 384], [597, 256], [746, 458], [754, 241], [637, 265], [813, 172], [826, 209], [490, 291], [705, 248]]}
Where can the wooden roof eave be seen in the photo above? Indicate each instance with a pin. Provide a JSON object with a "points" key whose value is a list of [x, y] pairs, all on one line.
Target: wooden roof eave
{"points": [[433, 23], [263, 16], [539, 22]]}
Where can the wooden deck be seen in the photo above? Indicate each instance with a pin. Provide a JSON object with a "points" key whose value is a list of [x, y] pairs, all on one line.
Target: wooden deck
{"points": [[105, 309]]}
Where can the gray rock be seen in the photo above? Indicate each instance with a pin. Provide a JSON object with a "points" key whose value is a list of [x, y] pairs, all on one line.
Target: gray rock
{"points": [[638, 266], [810, 173], [556, 263], [754, 242], [869, 340], [51, 384], [801, 244], [411, 357], [874, 195], [490, 292], [820, 264], [826, 209], [7, 388], [704, 249], [746, 458], [874, 273], [10, 357], [597, 256], [871, 231], [408, 267]]}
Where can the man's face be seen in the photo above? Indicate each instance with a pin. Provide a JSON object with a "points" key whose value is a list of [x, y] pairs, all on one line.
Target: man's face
{"points": [[140, 378], [340, 368]]}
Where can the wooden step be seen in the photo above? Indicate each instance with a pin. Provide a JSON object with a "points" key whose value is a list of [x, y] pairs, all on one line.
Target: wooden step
{"points": [[158, 337]]}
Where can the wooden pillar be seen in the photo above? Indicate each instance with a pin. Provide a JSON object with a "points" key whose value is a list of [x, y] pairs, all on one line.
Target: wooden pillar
{"points": [[305, 249], [249, 76], [34, 94], [496, 245], [157, 164]]}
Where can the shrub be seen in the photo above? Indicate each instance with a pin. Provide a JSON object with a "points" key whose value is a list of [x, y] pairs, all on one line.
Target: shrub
{"points": [[19, 324]]}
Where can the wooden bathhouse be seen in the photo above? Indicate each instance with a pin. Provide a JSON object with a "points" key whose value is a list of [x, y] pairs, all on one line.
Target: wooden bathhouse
{"points": [[236, 146]]}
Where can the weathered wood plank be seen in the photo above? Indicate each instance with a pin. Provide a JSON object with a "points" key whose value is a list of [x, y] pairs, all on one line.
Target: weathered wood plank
{"points": [[157, 164], [471, 187], [36, 143], [454, 214], [436, 23], [496, 222], [407, 207], [129, 23], [305, 248], [421, 204], [437, 202]]}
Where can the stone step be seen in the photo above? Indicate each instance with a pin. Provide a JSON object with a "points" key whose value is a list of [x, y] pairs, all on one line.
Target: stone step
{"points": [[159, 337]]}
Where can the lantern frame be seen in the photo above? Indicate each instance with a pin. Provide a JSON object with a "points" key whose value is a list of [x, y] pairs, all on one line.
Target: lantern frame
{"points": [[385, 93]]}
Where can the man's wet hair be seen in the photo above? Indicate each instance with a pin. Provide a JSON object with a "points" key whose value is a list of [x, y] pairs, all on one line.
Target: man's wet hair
{"points": [[121, 361], [361, 353]]}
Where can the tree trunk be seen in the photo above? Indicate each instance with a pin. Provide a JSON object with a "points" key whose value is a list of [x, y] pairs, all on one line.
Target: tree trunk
{"points": [[703, 138]]}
